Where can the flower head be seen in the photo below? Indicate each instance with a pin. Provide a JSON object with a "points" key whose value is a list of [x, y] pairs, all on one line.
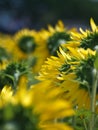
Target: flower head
{"points": [[56, 36], [87, 39], [72, 72], [29, 47]]}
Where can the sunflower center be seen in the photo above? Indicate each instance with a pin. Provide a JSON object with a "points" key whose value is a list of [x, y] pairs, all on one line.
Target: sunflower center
{"points": [[57, 39], [90, 41], [27, 44]]}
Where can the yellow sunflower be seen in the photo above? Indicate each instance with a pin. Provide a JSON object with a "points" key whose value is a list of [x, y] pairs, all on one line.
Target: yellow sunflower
{"points": [[78, 77], [28, 46], [35, 108], [53, 37], [72, 72], [88, 38], [11, 74]]}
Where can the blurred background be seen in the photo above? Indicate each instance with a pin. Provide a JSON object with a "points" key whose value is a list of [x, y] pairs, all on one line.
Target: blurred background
{"points": [[17, 14]]}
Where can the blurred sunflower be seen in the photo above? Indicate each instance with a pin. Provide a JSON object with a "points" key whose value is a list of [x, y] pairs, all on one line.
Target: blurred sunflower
{"points": [[87, 39], [26, 110], [11, 74], [73, 72], [56, 36], [29, 47]]}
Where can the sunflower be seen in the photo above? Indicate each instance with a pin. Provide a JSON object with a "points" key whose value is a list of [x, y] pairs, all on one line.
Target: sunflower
{"points": [[29, 47], [78, 77], [73, 72], [55, 36], [11, 74], [25, 43], [88, 38], [26, 110]]}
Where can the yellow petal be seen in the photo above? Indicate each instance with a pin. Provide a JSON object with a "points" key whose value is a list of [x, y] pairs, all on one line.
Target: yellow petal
{"points": [[93, 25]]}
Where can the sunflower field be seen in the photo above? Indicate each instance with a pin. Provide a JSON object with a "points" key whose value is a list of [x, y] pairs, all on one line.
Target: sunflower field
{"points": [[49, 78]]}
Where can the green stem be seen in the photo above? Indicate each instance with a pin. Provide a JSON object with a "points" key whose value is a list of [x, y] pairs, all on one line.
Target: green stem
{"points": [[93, 101], [85, 125]]}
